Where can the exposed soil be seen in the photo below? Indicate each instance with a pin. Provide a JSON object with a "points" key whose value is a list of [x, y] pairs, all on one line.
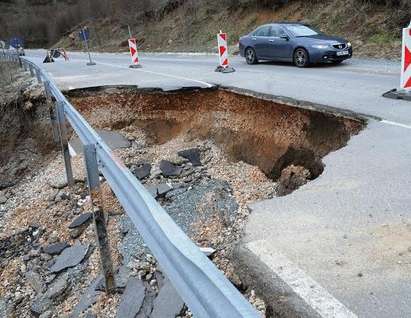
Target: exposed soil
{"points": [[259, 132], [24, 127], [248, 149]]}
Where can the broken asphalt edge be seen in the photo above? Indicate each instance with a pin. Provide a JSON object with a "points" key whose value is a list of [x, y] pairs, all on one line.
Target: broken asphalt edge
{"points": [[288, 101], [286, 289]]}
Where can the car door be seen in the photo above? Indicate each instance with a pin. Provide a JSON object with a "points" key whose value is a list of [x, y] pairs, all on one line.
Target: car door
{"points": [[279, 43], [261, 42]]}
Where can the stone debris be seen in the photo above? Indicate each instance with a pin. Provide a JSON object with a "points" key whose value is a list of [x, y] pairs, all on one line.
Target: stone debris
{"points": [[170, 169], [58, 183], [88, 298], [3, 198], [193, 155], [80, 220], [55, 248], [70, 257], [208, 251], [168, 303], [163, 188], [141, 171], [35, 281], [132, 299], [159, 190]]}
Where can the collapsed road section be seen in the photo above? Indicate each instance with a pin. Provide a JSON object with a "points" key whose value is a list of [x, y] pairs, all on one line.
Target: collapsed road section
{"points": [[202, 154], [286, 143]]}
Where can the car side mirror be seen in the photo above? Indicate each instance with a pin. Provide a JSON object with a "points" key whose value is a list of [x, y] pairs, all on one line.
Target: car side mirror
{"points": [[285, 37]]}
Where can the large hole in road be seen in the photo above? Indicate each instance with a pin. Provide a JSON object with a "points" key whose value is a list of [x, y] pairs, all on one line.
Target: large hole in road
{"points": [[286, 142]]}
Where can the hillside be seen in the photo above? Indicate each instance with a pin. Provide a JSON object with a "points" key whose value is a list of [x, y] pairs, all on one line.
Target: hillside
{"points": [[374, 27]]}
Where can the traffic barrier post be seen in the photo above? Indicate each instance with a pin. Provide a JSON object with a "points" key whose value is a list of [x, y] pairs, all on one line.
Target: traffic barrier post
{"points": [[53, 119], [38, 75], [406, 59], [63, 141], [135, 62], [90, 158], [31, 71], [224, 65]]}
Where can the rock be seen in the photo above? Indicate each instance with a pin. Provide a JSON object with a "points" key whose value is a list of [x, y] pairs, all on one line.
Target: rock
{"points": [[168, 303], [132, 299], [40, 305], [90, 314], [80, 220], [169, 169], [147, 306], [152, 190], [120, 277], [163, 188], [3, 198], [292, 177], [193, 155], [56, 248], [35, 281], [58, 183], [70, 257], [141, 171], [88, 298], [208, 251], [46, 314], [58, 287]]}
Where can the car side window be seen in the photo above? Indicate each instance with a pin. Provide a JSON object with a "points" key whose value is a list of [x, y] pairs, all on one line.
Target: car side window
{"points": [[263, 31], [276, 31]]}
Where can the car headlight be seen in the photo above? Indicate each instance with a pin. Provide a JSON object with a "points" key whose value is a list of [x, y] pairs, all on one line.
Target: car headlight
{"points": [[320, 46], [349, 44]]}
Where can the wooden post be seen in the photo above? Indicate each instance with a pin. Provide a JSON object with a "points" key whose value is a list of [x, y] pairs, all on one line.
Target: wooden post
{"points": [[98, 216], [64, 143]]}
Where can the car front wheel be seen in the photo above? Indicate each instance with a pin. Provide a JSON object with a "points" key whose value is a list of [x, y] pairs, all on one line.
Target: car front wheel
{"points": [[301, 58], [250, 56]]}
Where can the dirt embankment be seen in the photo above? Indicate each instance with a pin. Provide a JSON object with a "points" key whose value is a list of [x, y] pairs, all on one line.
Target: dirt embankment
{"points": [[281, 140], [25, 136], [373, 28]]}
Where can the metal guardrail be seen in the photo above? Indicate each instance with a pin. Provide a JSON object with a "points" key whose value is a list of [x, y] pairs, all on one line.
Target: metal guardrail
{"points": [[204, 288]]}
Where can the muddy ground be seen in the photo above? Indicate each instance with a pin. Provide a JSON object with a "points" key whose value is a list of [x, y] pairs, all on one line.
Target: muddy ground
{"points": [[204, 155]]}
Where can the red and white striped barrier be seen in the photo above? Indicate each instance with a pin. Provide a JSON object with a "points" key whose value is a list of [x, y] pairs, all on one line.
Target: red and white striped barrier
{"points": [[224, 66], [406, 59], [135, 62]]}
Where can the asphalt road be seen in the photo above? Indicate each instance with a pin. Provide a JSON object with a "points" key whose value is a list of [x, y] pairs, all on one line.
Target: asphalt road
{"points": [[349, 229]]}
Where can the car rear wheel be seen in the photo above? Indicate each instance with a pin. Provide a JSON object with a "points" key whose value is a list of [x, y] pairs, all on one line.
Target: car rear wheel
{"points": [[250, 56], [301, 58]]}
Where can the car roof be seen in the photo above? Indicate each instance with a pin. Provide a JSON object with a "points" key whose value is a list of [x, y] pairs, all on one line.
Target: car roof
{"points": [[282, 23]]}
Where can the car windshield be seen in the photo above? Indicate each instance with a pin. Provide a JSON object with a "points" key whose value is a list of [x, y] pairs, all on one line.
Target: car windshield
{"points": [[301, 30]]}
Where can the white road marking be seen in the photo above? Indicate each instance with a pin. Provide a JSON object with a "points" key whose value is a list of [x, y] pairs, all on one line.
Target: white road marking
{"points": [[303, 286], [393, 123], [158, 73]]}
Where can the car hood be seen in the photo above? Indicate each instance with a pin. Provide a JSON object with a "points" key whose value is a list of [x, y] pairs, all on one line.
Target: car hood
{"points": [[323, 38]]}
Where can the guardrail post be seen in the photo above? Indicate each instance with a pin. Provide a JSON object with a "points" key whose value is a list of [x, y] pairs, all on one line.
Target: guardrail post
{"points": [[98, 216], [20, 62], [38, 75], [52, 113], [25, 66], [63, 141], [31, 70]]}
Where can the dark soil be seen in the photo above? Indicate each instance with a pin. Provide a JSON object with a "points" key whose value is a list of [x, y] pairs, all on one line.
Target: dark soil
{"points": [[260, 132]]}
